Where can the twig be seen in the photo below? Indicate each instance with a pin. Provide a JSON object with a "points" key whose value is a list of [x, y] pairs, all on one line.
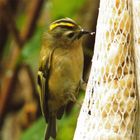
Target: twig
{"points": [[32, 18], [7, 82], [8, 18]]}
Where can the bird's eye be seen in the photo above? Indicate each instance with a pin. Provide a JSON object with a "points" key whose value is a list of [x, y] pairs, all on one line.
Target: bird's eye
{"points": [[70, 35]]}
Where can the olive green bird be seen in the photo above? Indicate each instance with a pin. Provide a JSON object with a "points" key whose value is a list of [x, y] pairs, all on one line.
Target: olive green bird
{"points": [[60, 70]]}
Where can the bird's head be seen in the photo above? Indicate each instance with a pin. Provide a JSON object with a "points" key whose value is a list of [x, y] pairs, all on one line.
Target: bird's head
{"points": [[66, 29]]}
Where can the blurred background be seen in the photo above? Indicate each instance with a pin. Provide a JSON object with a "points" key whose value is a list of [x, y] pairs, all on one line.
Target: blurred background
{"points": [[22, 23]]}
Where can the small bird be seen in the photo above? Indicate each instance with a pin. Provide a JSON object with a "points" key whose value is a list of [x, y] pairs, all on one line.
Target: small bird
{"points": [[60, 70]]}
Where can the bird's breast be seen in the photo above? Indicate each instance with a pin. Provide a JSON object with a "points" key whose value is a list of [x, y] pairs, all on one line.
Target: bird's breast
{"points": [[66, 70]]}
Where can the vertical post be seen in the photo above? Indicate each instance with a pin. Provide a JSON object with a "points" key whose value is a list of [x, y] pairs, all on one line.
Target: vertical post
{"points": [[110, 105], [136, 29]]}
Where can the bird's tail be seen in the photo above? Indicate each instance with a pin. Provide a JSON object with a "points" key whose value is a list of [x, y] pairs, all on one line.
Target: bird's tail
{"points": [[51, 129]]}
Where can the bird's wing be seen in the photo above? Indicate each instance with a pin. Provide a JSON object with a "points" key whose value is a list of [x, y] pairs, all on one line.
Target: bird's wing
{"points": [[42, 82]]}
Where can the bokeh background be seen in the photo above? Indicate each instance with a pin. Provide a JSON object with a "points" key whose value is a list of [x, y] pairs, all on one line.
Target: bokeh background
{"points": [[22, 23]]}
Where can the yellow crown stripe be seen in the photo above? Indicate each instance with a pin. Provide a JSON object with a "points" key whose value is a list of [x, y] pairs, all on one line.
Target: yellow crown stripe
{"points": [[54, 25]]}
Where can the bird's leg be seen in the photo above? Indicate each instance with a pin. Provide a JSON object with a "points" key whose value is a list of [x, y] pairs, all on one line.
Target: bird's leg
{"points": [[83, 85], [79, 103], [73, 98]]}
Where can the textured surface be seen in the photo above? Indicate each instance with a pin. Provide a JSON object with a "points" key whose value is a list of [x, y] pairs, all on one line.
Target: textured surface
{"points": [[110, 105], [136, 27]]}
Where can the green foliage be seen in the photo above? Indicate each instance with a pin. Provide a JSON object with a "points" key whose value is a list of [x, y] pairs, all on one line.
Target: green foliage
{"points": [[20, 22], [65, 8], [30, 52], [36, 132]]}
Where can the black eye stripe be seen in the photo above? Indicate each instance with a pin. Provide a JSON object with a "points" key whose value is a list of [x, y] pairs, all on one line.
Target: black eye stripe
{"points": [[70, 35]]}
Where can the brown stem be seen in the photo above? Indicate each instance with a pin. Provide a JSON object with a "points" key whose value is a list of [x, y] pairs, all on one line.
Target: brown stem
{"points": [[32, 18], [8, 78], [8, 18]]}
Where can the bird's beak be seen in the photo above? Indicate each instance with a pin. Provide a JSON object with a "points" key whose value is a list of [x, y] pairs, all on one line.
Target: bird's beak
{"points": [[83, 32]]}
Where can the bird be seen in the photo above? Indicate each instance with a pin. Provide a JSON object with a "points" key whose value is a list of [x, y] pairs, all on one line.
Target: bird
{"points": [[60, 70]]}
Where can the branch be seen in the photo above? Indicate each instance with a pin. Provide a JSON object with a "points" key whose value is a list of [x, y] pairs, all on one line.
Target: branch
{"points": [[32, 18], [7, 81], [8, 18]]}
